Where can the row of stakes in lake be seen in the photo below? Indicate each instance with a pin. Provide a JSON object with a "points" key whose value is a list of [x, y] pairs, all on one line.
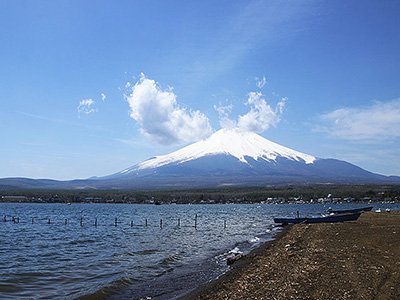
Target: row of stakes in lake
{"points": [[16, 220]]}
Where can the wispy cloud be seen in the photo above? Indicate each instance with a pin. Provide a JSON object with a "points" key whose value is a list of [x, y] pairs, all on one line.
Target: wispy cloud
{"points": [[64, 122], [161, 117], [255, 24], [260, 117], [380, 120], [103, 96], [86, 107], [261, 82], [223, 113]]}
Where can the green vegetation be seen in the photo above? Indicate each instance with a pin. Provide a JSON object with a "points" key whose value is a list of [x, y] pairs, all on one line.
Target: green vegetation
{"points": [[268, 194]]}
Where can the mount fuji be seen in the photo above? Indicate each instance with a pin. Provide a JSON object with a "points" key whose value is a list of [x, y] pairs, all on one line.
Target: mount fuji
{"points": [[229, 157]]}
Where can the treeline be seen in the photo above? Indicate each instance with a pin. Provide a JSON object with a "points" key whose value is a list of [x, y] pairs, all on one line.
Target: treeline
{"points": [[273, 194]]}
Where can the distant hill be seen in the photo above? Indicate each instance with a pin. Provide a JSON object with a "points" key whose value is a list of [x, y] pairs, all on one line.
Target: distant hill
{"points": [[227, 158]]}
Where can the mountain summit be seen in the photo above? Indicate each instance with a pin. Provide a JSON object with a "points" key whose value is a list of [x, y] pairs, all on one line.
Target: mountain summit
{"points": [[229, 142]]}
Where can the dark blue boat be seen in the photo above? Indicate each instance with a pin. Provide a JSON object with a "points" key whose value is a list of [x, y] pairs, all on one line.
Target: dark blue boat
{"points": [[349, 211], [326, 219]]}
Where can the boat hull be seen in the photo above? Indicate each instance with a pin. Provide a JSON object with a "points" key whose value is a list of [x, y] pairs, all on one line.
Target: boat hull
{"points": [[327, 219], [350, 211]]}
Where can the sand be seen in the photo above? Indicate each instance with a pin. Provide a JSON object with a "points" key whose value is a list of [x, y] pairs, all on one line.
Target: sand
{"points": [[351, 260]]}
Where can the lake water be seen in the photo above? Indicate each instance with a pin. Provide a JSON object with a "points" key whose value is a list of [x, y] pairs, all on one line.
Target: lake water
{"points": [[50, 254]]}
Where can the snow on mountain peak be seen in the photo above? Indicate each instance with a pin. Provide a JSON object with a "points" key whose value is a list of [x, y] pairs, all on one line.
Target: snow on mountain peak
{"points": [[235, 142]]}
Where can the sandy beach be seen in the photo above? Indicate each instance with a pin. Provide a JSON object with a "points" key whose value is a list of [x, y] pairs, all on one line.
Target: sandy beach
{"points": [[352, 260]]}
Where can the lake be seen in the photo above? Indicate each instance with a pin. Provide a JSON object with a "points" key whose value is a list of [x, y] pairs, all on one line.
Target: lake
{"points": [[113, 251]]}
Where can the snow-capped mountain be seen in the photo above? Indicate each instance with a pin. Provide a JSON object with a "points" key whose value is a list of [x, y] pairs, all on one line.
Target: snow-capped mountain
{"points": [[227, 158], [235, 143], [234, 157]]}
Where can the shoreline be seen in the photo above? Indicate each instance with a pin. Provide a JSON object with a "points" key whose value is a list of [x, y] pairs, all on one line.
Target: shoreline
{"points": [[357, 259], [236, 268]]}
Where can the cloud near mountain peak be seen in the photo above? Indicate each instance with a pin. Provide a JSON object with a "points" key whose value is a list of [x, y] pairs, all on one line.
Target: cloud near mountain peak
{"points": [[161, 117], [260, 117]]}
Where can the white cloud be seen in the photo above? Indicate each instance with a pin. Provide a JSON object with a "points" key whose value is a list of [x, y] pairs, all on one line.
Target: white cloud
{"points": [[160, 116], [223, 112], [262, 82], [261, 115], [86, 106], [103, 96], [380, 120]]}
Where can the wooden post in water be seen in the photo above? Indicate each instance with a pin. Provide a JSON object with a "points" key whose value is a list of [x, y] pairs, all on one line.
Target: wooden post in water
{"points": [[160, 223], [131, 223], [146, 223], [66, 220], [32, 220], [49, 221], [116, 221], [179, 222], [195, 221], [5, 219], [95, 222], [224, 224], [298, 215], [81, 217]]}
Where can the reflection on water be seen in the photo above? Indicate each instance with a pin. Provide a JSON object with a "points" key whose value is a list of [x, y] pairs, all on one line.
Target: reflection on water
{"points": [[95, 251]]}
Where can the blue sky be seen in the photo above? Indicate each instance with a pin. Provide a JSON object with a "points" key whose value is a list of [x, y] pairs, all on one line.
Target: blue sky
{"points": [[88, 88]]}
